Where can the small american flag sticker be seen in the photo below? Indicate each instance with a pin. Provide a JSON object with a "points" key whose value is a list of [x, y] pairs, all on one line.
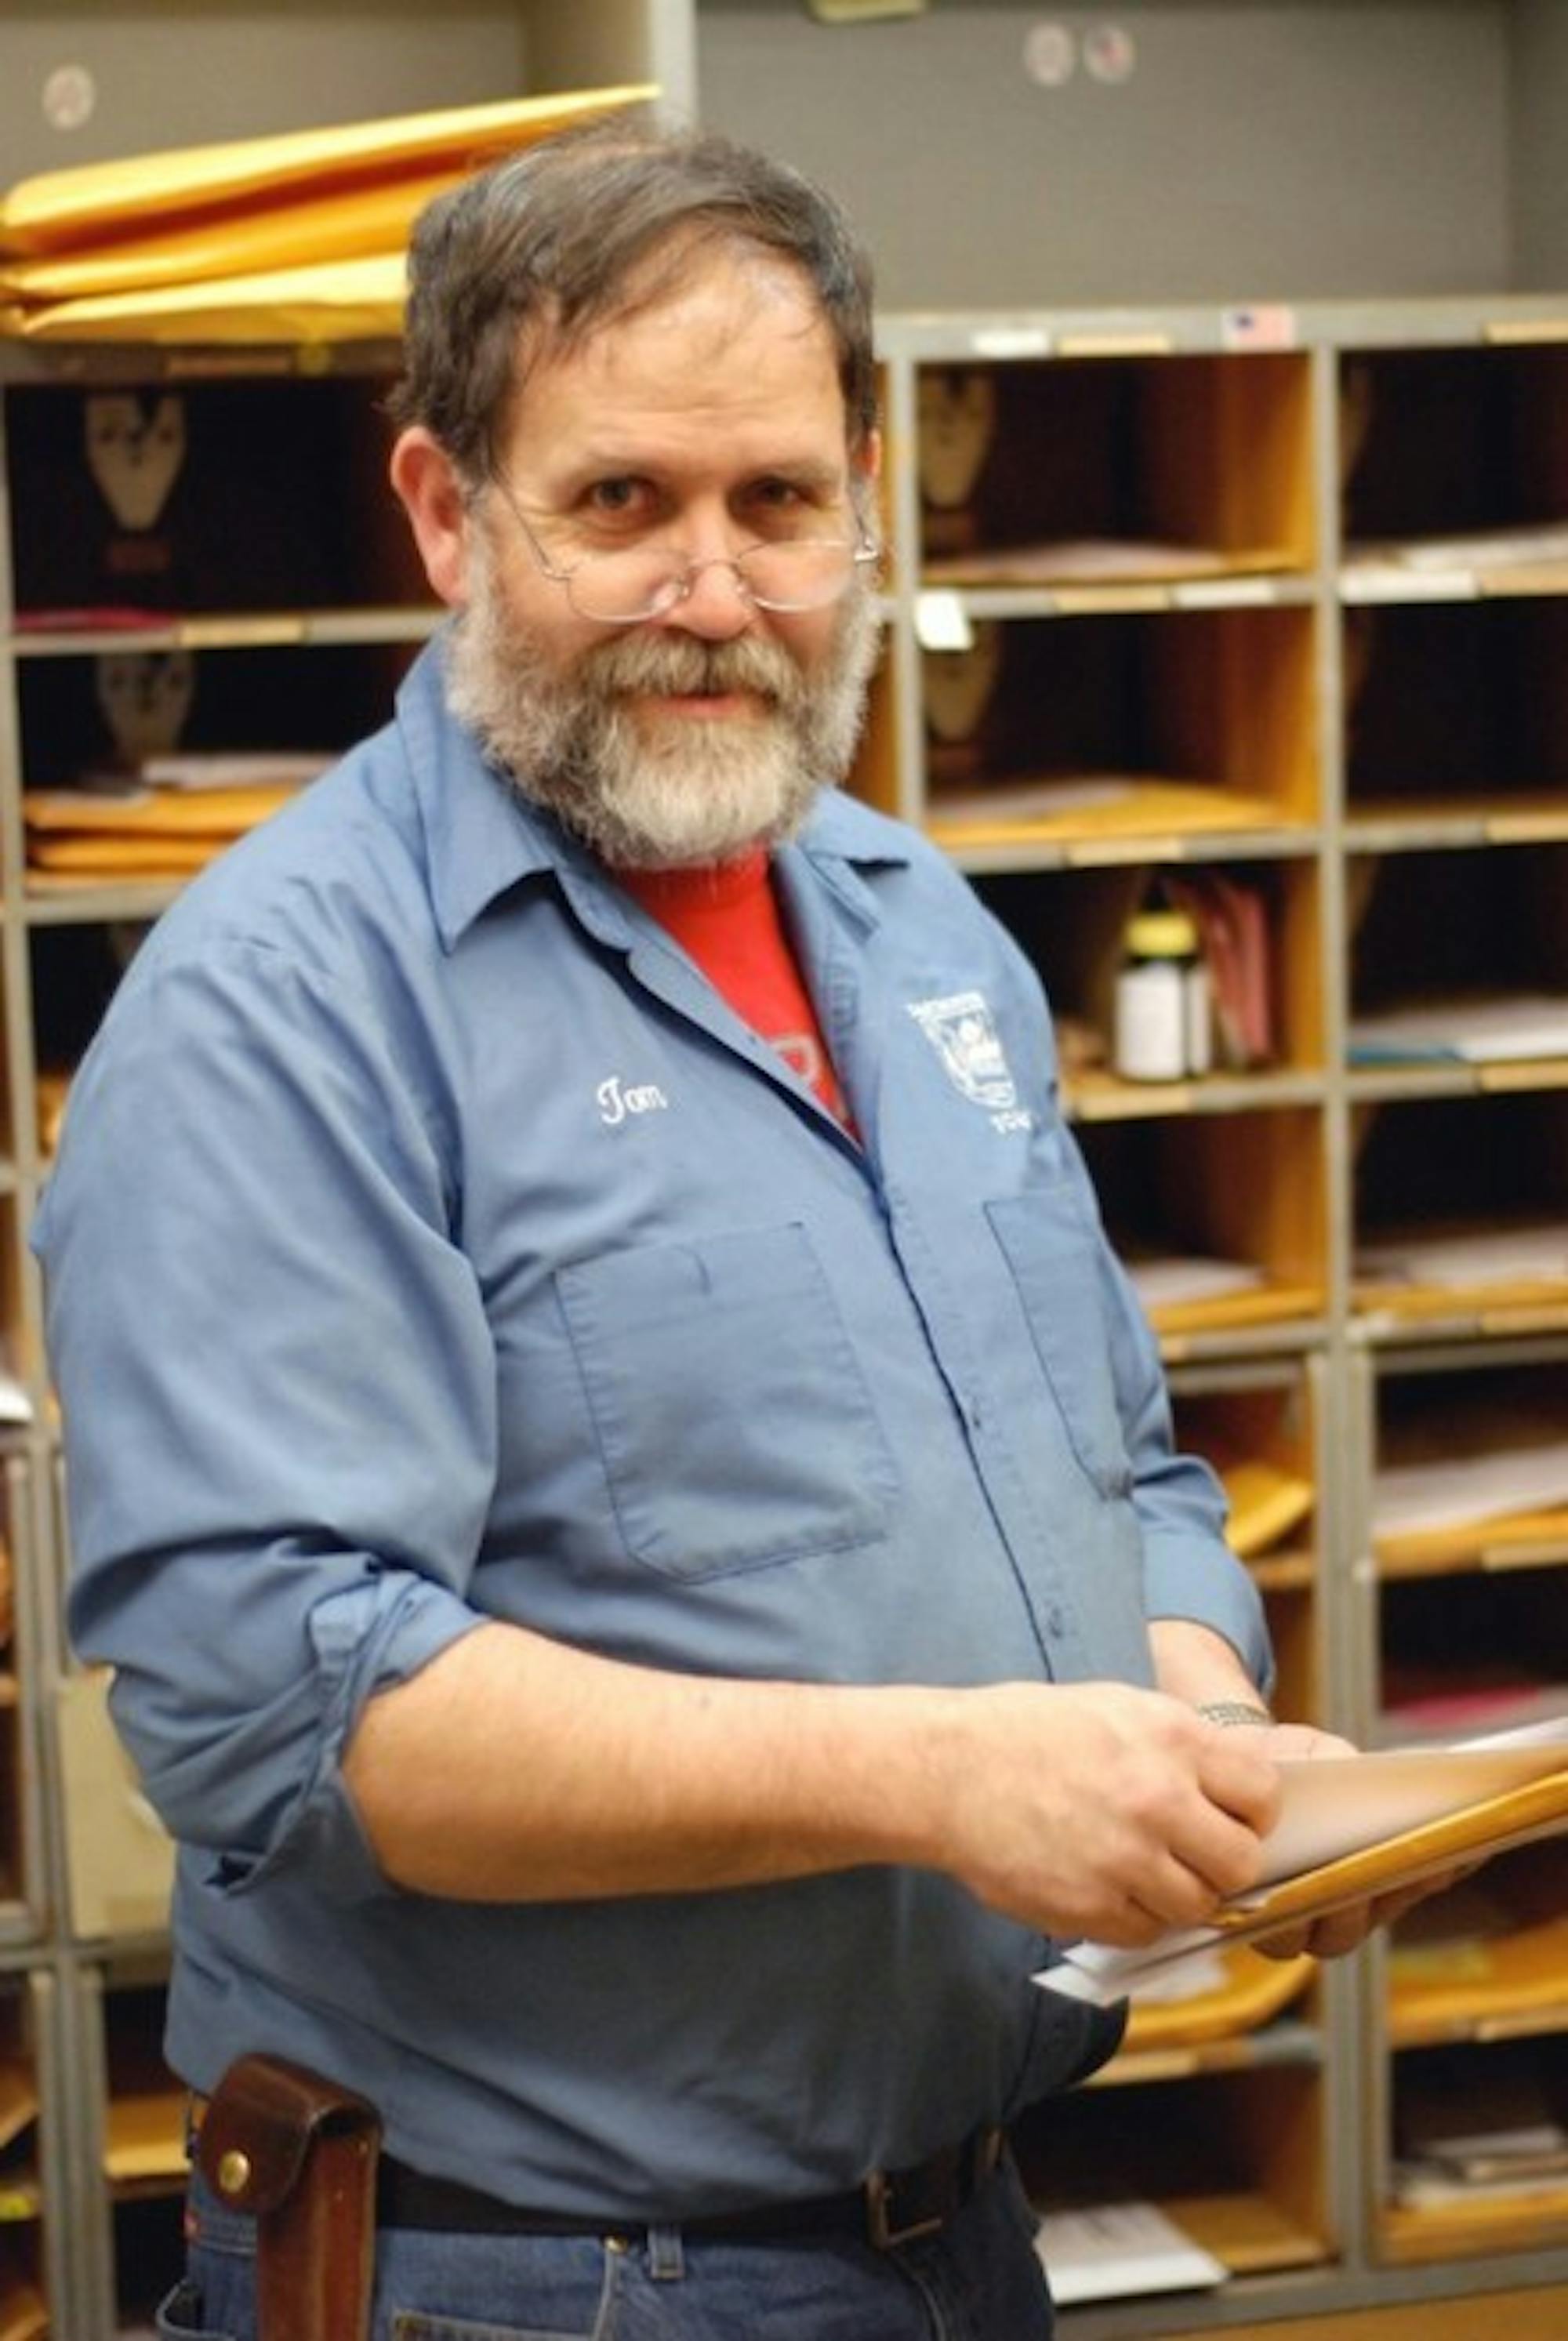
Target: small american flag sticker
{"points": [[1266, 325]]}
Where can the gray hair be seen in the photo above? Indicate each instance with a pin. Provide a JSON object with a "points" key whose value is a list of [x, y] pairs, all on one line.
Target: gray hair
{"points": [[588, 227]]}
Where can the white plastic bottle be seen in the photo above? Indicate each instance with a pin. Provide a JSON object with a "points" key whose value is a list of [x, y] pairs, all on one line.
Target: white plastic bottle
{"points": [[1163, 1023]]}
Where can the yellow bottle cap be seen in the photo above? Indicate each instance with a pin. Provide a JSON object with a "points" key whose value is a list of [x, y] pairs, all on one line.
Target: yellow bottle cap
{"points": [[1162, 934]]}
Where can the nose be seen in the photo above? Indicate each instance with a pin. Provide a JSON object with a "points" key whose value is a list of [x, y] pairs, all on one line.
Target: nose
{"points": [[714, 604]]}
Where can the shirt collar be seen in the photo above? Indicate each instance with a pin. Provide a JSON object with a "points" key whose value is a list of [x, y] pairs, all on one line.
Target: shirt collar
{"points": [[482, 837], [844, 842]]}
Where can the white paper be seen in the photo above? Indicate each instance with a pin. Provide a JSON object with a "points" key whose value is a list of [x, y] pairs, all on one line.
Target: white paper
{"points": [[1478, 2153], [1198, 1972], [1029, 800], [1110, 2250], [1428, 2186], [1101, 1974], [237, 768], [1474, 1031], [1174, 1276], [1538, 1248], [1489, 549], [1331, 1806], [1439, 565], [1497, 1484], [1115, 560], [1340, 1805]]}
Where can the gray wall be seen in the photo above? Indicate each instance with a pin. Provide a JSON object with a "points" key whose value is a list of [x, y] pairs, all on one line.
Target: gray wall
{"points": [[179, 73], [1261, 148], [1540, 145]]}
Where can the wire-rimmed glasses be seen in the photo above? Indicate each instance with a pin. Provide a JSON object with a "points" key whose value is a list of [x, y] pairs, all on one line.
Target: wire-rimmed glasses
{"points": [[631, 584]]}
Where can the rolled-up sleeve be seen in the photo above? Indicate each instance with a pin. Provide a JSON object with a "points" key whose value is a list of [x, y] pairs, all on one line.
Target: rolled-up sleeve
{"points": [[278, 1391]]}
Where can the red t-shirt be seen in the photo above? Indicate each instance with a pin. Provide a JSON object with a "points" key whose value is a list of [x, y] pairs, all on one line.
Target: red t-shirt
{"points": [[726, 917]]}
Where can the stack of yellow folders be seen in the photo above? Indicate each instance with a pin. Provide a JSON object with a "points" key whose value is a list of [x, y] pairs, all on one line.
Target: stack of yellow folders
{"points": [[297, 237], [169, 819]]}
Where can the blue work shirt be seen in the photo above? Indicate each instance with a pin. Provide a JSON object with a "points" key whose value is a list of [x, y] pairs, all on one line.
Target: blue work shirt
{"points": [[430, 1242]]}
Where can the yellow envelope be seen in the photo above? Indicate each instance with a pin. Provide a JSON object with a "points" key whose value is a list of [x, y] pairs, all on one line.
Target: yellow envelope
{"points": [[50, 1089], [1246, 1992], [1496, 1824], [346, 225], [72, 861], [62, 209], [331, 301], [1266, 1502], [220, 811]]}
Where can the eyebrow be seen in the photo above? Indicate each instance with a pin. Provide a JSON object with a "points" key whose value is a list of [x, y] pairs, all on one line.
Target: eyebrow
{"points": [[609, 462]]}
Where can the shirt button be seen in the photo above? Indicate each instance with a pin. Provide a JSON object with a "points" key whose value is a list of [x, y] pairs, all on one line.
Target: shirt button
{"points": [[1056, 1623]]}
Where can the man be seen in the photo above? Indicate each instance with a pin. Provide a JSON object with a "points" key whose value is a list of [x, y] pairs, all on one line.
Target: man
{"points": [[631, 1507]]}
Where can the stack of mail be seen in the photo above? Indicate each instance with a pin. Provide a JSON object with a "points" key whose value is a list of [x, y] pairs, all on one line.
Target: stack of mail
{"points": [[171, 817], [296, 237]]}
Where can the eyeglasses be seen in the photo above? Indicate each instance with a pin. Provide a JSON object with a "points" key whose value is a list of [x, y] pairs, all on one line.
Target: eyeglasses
{"points": [[636, 582]]}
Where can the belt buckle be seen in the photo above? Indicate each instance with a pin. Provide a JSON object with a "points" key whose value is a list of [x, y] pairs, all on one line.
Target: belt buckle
{"points": [[886, 2231]]}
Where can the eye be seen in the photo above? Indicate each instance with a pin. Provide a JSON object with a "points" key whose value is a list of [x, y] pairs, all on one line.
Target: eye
{"points": [[785, 494], [776, 504], [620, 501]]}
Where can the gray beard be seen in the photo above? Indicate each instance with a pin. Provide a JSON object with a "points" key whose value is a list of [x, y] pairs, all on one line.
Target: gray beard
{"points": [[646, 794]]}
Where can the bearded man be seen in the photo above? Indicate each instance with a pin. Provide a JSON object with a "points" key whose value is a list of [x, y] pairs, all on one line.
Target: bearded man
{"points": [[643, 1561]]}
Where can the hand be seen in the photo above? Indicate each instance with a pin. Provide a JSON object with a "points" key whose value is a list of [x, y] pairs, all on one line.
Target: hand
{"points": [[1337, 1932], [1098, 1809]]}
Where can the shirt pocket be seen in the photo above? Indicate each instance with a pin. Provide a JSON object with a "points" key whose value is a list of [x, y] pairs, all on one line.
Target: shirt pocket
{"points": [[734, 1419], [1054, 1258]]}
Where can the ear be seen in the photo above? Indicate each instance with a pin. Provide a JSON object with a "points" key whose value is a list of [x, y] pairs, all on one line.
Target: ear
{"points": [[865, 471], [432, 495]]}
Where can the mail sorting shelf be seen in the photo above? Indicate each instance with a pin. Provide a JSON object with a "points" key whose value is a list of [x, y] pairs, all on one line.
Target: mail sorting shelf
{"points": [[1192, 717], [1464, 1533]]}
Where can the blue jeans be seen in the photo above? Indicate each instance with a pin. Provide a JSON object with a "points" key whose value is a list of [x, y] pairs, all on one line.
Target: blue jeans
{"points": [[978, 2280]]}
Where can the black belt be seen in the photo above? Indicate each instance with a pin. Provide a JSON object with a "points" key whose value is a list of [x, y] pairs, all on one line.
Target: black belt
{"points": [[893, 2207]]}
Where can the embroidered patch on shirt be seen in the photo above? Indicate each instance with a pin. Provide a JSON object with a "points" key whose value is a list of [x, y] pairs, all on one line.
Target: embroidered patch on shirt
{"points": [[963, 1031]]}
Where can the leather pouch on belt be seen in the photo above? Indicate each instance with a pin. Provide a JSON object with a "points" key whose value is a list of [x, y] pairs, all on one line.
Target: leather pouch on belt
{"points": [[299, 2154]]}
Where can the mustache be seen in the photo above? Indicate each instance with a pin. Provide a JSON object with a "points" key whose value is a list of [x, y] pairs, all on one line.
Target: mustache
{"points": [[677, 666]]}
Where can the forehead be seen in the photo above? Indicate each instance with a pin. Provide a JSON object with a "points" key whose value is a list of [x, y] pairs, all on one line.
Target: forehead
{"points": [[737, 348]]}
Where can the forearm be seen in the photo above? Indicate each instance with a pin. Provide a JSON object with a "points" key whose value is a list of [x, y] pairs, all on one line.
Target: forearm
{"points": [[1192, 1662], [514, 1768]]}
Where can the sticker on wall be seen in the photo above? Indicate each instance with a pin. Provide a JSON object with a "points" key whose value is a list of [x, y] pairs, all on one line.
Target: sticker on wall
{"points": [[69, 97], [1110, 54], [1050, 54], [1264, 325]]}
